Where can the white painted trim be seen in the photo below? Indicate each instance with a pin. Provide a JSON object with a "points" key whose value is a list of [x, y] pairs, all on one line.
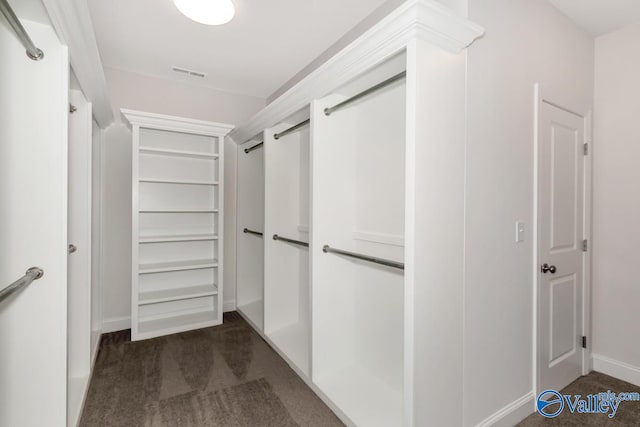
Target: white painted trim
{"points": [[103, 156], [535, 234], [116, 324], [221, 234], [95, 350], [229, 306], [72, 22], [513, 413], [617, 369], [422, 19], [587, 330], [178, 124]]}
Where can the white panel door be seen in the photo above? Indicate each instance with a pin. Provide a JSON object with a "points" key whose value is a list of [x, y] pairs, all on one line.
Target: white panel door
{"points": [[560, 252]]}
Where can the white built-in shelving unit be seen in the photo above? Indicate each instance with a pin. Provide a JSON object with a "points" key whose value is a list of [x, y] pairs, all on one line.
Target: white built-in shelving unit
{"points": [[177, 224], [369, 314]]}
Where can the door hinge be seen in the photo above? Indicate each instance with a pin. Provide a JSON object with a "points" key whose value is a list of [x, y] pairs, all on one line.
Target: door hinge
{"points": [[585, 245], [586, 149], [584, 342]]}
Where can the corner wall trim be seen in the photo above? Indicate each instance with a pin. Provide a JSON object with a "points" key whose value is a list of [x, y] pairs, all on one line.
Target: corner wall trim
{"points": [[511, 414], [617, 369], [116, 324]]}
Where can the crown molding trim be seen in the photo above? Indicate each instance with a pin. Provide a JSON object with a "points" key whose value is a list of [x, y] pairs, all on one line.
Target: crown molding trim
{"points": [[415, 19], [176, 124], [72, 21]]}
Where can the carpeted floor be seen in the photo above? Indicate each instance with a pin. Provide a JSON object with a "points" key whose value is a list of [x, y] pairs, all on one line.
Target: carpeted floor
{"points": [[225, 376], [628, 413]]}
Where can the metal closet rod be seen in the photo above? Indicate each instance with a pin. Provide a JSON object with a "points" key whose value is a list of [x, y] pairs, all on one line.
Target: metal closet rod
{"points": [[291, 129], [399, 265], [34, 273], [402, 75], [255, 147], [295, 242], [32, 51], [255, 233]]}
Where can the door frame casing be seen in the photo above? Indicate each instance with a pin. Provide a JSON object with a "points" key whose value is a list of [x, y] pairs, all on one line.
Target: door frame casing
{"points": [[541, 97]]}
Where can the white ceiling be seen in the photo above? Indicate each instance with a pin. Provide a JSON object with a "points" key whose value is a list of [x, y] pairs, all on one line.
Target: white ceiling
{"points": [[266, 43], [599, 17]]}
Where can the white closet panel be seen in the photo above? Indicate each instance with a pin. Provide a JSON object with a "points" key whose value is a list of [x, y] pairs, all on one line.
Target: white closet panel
{"points": [[287, 290], [250, 247], [177, 224], [386, 179], [358, 191]]}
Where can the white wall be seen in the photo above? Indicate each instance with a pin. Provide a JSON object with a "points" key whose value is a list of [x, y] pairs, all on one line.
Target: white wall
{"points": [[157, 95], [616, 235], [526, 41]]}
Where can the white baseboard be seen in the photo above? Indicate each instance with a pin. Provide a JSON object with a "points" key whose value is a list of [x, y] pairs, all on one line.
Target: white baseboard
{"points": [[228, 306], [617, 369], [116, 324], [513, 413], [95, 349]]}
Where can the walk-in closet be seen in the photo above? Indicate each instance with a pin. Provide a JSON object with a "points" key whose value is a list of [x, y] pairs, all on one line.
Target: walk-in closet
{"points": [[362, 213]]}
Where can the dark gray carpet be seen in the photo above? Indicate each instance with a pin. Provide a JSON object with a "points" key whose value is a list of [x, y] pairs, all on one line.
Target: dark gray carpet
{"points": [[225, 376], [628, 413]]}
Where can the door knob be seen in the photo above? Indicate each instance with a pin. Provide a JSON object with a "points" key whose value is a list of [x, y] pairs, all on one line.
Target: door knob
{"points": [[72, 248], [546, 268]]}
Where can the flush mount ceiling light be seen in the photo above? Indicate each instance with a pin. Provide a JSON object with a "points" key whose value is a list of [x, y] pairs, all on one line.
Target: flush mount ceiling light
{"points": [[208, 12]]}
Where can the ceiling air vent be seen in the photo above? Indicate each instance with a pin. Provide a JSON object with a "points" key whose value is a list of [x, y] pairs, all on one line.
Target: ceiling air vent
{"points": [[188, 72]]}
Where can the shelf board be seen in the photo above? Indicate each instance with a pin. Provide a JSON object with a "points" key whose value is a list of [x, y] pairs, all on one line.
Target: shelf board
{"points": [[177, 238], [165, 267], [174, 324], [363, 397], [178, 153], [176, 294], [179, 210], [178, 181]]}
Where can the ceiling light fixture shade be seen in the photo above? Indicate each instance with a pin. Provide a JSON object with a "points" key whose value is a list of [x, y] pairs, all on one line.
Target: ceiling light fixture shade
{"points": [[208, 12]]}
